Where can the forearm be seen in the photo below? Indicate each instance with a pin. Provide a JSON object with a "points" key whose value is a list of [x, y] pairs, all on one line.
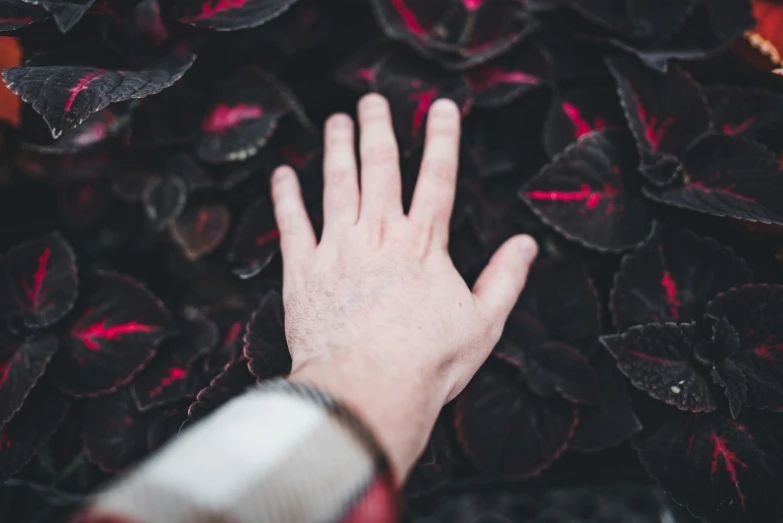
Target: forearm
{"points": [[279, 454]]}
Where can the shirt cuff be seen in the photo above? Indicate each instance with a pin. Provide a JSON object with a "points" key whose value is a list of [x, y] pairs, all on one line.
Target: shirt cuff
{"points": [[280, 452]]}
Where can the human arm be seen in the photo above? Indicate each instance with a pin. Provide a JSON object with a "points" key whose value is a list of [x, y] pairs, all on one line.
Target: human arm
{"points": [[377, 319], [376, 313]]}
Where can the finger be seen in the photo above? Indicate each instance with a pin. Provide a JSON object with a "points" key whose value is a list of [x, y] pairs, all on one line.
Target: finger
{"points": [[502, 280], [297, 239], [341, 187], [433, 199], [381, 185]]}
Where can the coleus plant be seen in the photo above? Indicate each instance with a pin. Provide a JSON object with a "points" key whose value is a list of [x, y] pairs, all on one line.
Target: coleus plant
{"points": [[540, 375], [83, 348], [638, 141], [700, 337]]}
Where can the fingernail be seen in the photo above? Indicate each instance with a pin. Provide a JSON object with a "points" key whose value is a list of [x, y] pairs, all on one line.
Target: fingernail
{"points": [[527, 247]]}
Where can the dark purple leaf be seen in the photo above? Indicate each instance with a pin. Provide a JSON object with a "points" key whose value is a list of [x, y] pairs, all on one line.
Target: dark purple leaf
{"points": [[503, 80], [494, 416], [728, 176], [18, 13], [225, 15], [201, 230], [610, 422], [257, 240], [583, 194], [549, 368], [266, 348], [637, 18], [751, 113], [411, 85], [726, 470], [726, 373], [578, 113], [458, 33], [110, 339], [164, 200], [576, 320], [228, 384], [656, 358], [360, 70], [666, 113], [657, 19], [67, 95], [115, 432], [144, 23], [671, 277], [243, 118], [611, 14], [168, 376], [697, 38], [231, 320], [66, 13], [30, 429], [22, 363], [746, 352], [435, 465], [167, 424], [98, 128], [41, 280]]}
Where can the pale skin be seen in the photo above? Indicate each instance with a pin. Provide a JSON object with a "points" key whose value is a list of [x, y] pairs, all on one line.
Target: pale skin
{"points": [[376, 313]]}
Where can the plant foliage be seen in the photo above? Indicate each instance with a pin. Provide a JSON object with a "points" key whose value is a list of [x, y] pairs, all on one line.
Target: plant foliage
{"points": [[639, 141]]}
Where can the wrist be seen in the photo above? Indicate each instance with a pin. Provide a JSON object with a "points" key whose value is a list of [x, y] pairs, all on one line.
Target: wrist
{"points": [[399, 411]]}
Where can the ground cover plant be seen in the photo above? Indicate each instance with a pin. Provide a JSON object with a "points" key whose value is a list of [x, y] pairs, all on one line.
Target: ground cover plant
{"points": [[640, 142]]}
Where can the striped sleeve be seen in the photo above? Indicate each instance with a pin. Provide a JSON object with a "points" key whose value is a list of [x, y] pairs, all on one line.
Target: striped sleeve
{"points": [[279, 453]]}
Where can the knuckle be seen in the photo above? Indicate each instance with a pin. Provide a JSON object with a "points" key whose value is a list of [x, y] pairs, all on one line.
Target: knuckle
{"points": [[492, 326], [335, 201], [286, 212], [381, 152], [285, 192], [340, 173], [337, 139], [495, 331], [284, 221], [421, 242]]}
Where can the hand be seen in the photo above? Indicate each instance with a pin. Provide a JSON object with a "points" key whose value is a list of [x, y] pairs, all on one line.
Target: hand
{"points": [[376, 313]]}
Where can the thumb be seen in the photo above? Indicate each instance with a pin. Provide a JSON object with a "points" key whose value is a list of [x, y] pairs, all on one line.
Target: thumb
{"points": [[502, 280]]}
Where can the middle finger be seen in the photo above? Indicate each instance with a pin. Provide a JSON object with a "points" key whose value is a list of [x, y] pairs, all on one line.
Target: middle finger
{"points": [[381, 185]]}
